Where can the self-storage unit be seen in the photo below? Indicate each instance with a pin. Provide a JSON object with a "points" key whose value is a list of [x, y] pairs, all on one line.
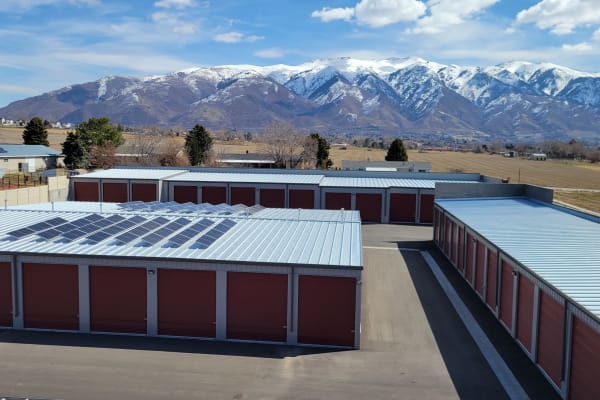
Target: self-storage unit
{"points": [[185, 270], [536, 267]]}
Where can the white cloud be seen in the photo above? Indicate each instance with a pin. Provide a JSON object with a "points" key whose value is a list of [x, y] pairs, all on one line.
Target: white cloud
{"points": [[236, 37], [561, 17], [445, 13], [375, 13], [175, 22], [270, 53], [26, 5], [596, 35], [178, 4], [582, 47]]}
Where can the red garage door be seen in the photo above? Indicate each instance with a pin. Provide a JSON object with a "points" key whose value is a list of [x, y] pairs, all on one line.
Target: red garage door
{"points": [[273, 198], [214, 194], [525, 312], [461, 248], [480, 267], [86, 191], [403, 207], [257, 306], [113, 192], [550, 337], [186, 194], [469, 261], [243, 195], [118, 299], [369, 205], [585, 359], [426, 209], [143, 192], [492, 278], [5, 295], [326, 310], [186, 303], [506, 294], [51, 296], [337, 201], [302, 198]]}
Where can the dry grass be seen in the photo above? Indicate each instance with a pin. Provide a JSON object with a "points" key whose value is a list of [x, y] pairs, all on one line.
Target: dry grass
{"points": [[586, 200]]}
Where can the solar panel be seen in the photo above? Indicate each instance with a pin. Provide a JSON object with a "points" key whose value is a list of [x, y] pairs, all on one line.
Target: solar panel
{"points": [[165, 231], [189, 233], [2, 150], [115, 218], [215, 233], [35, 228]]}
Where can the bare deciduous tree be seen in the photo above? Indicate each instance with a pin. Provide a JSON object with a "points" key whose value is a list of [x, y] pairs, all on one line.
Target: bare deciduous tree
{"points": [[103, 156], [173, 154], [284, 143]]}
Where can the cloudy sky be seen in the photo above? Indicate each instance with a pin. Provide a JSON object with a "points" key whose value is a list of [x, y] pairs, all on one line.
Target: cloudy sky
{"points": [[48, 44]]}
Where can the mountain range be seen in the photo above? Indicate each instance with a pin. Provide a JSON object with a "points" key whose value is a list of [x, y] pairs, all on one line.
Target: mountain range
{"points": [[513, 101]]}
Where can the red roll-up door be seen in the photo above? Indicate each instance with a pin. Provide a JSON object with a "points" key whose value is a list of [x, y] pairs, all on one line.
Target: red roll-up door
{"points": [[143, 192], [326, 310], [492, 278], [214, 194], [114, 192], [87, 191], [273, 198], [186, 194], [506, 294], [6, 318], [337, 201], [448, 237], [302, 198], [369, 205], [525, 312], [461, 248], [186, 302], [403, 207], [480, 267], [585, 359], [243, 195], [551, 337], [257, 306], [51, 296], [426, 209], [469, 261], [118, 299]]}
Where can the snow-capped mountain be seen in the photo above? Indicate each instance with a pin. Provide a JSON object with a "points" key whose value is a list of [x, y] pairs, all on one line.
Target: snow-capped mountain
{"points": [[410, 96]]}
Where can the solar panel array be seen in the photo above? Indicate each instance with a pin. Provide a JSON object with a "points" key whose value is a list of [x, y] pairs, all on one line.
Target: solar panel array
{"points": [[211, 236], [189, 208]]}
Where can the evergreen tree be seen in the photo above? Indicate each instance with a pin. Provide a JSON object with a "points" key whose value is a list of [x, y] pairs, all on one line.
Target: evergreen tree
{"points": [[198, 144], [35, 132], [74, 151], [90, 141], [100, 132], [323, 160], [396, 152]]}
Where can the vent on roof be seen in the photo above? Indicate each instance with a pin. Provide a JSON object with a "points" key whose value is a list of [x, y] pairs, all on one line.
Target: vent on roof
{"points": [[2, 150]]}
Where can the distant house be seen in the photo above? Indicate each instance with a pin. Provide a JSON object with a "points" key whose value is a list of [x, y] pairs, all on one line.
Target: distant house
{"points": [[27, 158], [538, 157], [246, 160], [400, 166]]}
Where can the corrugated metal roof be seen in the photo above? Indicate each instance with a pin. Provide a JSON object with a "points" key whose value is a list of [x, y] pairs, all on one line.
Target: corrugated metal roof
{"points": [[134, 173], [27, 150], [383, 183], [561, 248], [280, 236], [248, 178]]}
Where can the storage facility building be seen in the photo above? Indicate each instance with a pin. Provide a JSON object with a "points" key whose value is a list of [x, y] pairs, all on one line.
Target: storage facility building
{"points": [[166, 269], [537, 268]]}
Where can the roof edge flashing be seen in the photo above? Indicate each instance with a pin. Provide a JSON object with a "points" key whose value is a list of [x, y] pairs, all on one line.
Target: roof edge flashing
{"points": [[445, 190]]}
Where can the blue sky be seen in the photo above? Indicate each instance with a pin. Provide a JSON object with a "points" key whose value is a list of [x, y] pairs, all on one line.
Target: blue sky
{"points": [[48, 44]]}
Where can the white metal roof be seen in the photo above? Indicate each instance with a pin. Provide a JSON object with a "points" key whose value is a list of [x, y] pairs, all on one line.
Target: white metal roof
{"points": [[248, 178], [27, 150], [383, 183], [255, 235], [561, 248], [132, 173]]}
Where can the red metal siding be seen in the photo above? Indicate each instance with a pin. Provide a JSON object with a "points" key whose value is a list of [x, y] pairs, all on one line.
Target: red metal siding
{"points": [[448, 237], [506, 294], [118, 299], [480, 268], [436, 225], [6, 318], [186, 194], [403, 207], [87, 191], [143, 192], [461, 248], [426, 209], [273, 198], [186, 302], [369, 205], [51, 296], [113, 192], [469, 261], [326, 310], [551, 337], [243, 195], [492, 279], [257, 306], [525, 312], [453, 242], [585, 359], [302, 198], [214, 194], [337, 201]]}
